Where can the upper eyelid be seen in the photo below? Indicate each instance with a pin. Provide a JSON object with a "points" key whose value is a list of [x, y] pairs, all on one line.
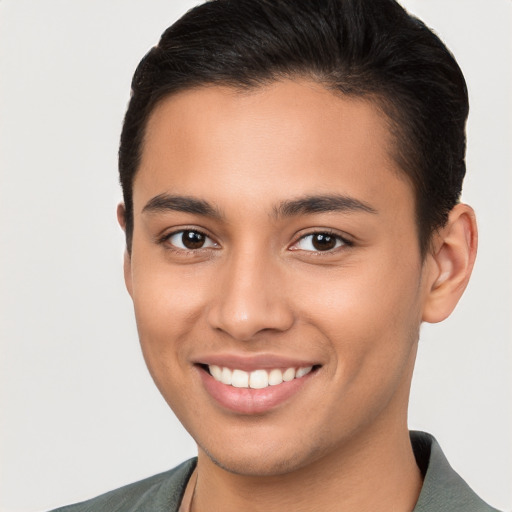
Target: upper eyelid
{"points": [[344, 238], [168, 234], [325, 231], [346, 243], [166, 243]]}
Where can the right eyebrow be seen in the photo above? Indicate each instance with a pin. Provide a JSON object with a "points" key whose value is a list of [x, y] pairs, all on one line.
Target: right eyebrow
{"points": [[309, 205], [168, 202]]}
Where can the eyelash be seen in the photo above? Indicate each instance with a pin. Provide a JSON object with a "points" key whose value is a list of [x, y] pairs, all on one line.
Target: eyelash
{"points": [[165, 240], [169, 246], [344, 242]]}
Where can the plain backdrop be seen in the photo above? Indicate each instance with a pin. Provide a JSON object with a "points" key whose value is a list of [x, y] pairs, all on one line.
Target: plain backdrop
{"points": [[79, 414]]}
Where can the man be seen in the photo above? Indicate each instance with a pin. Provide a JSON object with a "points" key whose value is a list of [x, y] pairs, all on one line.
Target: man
{"points": [[291, 174]]}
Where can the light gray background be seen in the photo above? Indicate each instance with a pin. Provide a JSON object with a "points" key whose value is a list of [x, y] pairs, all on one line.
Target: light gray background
{"points": [[79, 414]]}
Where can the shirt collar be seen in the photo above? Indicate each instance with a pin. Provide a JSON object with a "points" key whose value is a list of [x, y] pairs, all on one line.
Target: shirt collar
{"points": [[443, 489]]}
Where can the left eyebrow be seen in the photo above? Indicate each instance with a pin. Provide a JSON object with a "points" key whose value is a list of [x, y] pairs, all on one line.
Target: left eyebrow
{"points": [[321, 204], [166, 202]]}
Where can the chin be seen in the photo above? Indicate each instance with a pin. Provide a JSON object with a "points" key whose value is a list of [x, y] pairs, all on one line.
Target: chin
{"points": [[259, 466], [262, 461]]}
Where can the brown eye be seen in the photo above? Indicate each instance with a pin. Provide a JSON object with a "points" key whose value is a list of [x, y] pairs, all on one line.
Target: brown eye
{"points": [[323, 242], [320, 242], [189, 239], [192, 239]]}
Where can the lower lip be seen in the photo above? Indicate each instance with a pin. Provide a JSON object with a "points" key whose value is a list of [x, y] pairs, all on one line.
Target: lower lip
{"points": [[252, 401]]}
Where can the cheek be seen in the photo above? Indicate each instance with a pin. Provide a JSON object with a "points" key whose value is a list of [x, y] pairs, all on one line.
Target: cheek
{"points": [[167, 311], [163, 294], [168, 303], [369, 311]]}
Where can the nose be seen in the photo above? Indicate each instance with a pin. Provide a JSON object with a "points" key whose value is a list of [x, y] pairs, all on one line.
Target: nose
{"points": [[250, 298]]}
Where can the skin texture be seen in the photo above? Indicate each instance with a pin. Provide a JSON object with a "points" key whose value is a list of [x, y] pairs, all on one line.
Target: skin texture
{"points": [[259, 287]]}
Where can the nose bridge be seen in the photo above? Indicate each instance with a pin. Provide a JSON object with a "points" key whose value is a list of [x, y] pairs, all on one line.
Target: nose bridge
{"points": [[249, 298]]}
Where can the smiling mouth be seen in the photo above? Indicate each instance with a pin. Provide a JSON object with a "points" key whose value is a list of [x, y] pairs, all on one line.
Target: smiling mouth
{"points": [[257, 379], [266, 382]]}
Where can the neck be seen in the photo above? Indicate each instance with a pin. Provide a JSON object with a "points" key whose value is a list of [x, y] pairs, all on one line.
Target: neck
{"points": [[380, 474]]}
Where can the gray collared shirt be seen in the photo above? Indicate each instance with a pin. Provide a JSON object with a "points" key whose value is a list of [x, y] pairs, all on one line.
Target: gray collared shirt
{"points": [[443, 489]]}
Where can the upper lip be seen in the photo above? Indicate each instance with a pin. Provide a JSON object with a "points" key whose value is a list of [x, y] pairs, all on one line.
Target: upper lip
{"points": [[248, 363]]}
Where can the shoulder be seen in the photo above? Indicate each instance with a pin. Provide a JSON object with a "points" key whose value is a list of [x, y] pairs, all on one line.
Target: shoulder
{"points": [[443, 489], [158, 493]]}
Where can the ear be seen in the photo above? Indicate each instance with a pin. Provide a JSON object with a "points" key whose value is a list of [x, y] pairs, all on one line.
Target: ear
{"points": [[121, 215], [450, 263], [127, 262]]}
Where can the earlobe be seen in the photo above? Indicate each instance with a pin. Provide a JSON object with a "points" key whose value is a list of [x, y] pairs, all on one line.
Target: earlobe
{"points": [[451, 264]]}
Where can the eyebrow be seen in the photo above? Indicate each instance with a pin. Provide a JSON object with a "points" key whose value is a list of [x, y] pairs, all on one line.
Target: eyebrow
{"points": [[166, 202], [322, 204], [306, 205]]}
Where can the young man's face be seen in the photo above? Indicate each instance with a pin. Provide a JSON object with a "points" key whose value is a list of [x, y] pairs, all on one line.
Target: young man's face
{"points": [[283, 236]]}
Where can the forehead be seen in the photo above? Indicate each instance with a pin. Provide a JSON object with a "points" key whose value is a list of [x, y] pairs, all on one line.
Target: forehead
{"points": [[289, 137]]}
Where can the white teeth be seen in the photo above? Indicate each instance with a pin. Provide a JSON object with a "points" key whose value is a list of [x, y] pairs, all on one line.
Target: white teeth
{"points": [[257, 379], [226, 376], [289, 374], [216, 371], [275, 377], [303, 371], [240, 379]]}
